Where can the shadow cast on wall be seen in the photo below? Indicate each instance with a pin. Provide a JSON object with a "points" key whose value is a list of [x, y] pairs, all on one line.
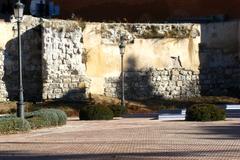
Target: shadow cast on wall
{"points": [[32, 66], [75, 95], [219, 59], [137, 83]]}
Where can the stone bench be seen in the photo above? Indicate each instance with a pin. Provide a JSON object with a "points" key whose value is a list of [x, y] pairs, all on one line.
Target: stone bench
{"points": [[171, 115]]}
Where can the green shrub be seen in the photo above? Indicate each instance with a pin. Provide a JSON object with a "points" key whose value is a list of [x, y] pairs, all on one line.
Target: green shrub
{"points": [[13, 125], [62, 116], [96, 112], [38, 122], [38, 119], [50, 116], [46, 118], [118, 110], [205, 112]]}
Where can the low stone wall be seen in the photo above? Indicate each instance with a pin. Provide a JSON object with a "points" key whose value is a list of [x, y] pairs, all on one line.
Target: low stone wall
{"points": [[168, 83], [176, 83]]}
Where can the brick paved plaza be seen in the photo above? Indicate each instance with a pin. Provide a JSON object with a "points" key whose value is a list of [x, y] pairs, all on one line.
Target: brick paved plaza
{"points": [[127, 139]]}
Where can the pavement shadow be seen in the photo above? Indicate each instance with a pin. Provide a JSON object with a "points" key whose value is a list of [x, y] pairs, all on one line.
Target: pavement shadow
{"points": [[15, 155], [229, 132]]}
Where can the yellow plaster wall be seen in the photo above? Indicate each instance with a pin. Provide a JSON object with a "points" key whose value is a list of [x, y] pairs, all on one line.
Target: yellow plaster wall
{"points": [[104, 60], [6, 33]]}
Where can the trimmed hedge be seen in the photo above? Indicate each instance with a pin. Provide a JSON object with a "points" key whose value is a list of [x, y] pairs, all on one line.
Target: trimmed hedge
{"points": [[13, 125], [38, 122], [34, 120], [118, 110], [62, 116], [47, 118], [96, 112], [205, 112]]}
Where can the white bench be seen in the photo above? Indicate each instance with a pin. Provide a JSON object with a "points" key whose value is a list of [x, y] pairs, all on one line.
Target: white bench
{"points": [[232, 110], [172, 115]]}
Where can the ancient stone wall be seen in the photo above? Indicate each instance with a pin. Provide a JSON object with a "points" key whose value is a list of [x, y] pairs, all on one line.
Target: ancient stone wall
{"points": [[53, 67], [69, 59], [167, 83], [3, 90], [209, 66], [157, 46], [220, 81], [31, 54], [176, 83], [63, 67]]}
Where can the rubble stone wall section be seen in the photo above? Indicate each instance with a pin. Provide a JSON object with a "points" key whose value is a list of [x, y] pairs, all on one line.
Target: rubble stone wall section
{"points": [[63, 69], [167, 83], [3, 90], [176, 83]]}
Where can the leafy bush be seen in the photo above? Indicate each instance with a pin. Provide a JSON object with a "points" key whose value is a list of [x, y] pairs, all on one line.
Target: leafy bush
{"points": [[62, 116], [39, 119], [205, 112], [38, 122], [48, 115], [13, 125], [118, 110], [46, 118], [96, 112]]}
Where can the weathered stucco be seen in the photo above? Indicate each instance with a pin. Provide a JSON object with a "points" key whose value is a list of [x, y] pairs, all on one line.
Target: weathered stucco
{"points": [[6, 33], [143, 51]]}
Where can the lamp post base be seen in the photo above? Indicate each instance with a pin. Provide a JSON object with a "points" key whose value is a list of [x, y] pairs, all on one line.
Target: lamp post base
{"points": [[20, 110]]}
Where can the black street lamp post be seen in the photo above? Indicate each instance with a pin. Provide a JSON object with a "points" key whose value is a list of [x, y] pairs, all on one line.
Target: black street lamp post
{"points": [[18, 13], [122, 47]]}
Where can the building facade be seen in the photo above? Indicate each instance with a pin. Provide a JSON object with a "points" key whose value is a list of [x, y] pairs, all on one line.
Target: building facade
{"points": [[147, 10], [139, 10]]}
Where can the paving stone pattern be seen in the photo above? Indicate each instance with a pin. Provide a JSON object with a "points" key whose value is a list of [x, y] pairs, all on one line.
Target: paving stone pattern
{"points": [[127, 139]]}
